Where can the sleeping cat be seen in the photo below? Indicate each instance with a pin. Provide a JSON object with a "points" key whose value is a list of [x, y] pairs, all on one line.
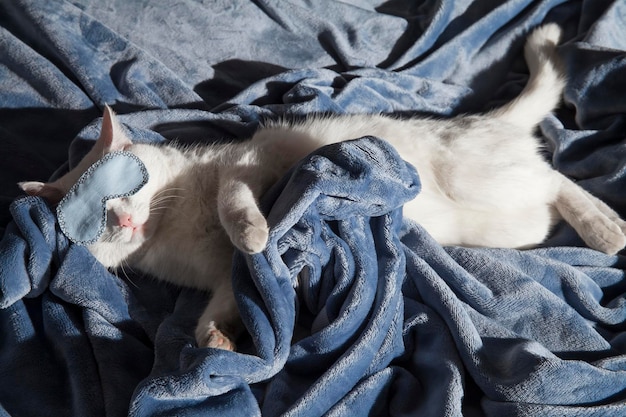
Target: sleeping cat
{"points": [[484, 184]]}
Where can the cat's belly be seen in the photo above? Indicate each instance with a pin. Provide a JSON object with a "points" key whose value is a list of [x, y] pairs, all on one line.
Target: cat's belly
{"points": [[451, 223], [189, 258]]}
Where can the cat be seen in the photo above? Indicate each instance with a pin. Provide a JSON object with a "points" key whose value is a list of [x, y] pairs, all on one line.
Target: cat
{"points": [[484, 184]]}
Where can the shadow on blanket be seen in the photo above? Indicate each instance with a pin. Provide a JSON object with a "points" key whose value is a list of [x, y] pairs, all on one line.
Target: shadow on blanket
{"points": [[28, 149]]}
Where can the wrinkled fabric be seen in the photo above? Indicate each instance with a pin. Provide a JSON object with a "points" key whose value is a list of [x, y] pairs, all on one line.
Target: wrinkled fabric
{"points": [[351, 309]]}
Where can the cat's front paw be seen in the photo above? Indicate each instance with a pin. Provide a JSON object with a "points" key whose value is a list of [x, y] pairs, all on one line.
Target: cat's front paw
{"points": [[211, 336], [607, 236], [249, 231], [253, 238]]}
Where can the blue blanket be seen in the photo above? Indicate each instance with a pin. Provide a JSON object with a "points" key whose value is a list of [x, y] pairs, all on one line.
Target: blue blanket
{"points": [[383, 320]]}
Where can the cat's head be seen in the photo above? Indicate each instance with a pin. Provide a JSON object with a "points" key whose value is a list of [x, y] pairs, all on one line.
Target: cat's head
{"points": [[131, 221]]}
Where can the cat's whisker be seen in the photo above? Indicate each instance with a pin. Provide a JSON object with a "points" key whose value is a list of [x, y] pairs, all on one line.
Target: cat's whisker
{"points": [[171, 188], [162, 199], [172, 191], [157, 211], [161, 193], [165, 198], [94, 264], [115, 271], [162, 202], [124, 261], [165, 190]]}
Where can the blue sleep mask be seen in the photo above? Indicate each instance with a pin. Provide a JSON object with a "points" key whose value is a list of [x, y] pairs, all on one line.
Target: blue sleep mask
{"points": [[82, 213]]}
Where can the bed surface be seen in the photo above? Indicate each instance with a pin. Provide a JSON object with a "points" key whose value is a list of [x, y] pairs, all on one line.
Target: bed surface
{"points": [[388, 322]]}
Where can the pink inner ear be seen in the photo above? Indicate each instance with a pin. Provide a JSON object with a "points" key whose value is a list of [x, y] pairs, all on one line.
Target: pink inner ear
{"points": [[112, 136], [31, 187], [39, 189]]}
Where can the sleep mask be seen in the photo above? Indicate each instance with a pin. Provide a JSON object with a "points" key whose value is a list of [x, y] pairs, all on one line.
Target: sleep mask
{"points": [[82, 213]]}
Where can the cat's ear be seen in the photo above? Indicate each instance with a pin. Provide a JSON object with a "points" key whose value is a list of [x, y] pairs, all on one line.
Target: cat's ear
{"points": [[112, 136], [49, 191]]}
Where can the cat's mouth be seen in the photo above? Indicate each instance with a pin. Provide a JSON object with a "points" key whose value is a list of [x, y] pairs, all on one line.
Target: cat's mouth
{"points": [[124, 235], [126, 229], [135, 233]]}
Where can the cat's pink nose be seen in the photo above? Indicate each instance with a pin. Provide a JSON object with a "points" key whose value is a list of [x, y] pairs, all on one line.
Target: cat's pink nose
{"points": [[125, 220]]}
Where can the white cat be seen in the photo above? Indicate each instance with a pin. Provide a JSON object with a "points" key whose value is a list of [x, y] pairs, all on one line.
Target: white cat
{"points": [[484, 183]]}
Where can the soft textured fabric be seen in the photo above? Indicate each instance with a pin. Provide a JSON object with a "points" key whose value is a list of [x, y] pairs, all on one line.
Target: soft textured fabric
{"points": [[351, 310], [82, 213]]}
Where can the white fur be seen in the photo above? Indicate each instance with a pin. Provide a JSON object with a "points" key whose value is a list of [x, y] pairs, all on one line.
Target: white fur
{"points": [[484, 183]]}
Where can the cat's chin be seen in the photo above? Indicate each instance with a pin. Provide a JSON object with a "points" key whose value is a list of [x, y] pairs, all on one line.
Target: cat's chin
{"points": [[136, 235], [114, 254]]}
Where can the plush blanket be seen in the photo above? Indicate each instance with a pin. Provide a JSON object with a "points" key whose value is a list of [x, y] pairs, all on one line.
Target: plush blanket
{"points": [[351, 310]]}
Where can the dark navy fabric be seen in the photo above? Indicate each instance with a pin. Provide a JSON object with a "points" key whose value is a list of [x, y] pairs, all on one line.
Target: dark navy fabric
{"points": [[351, 310]]}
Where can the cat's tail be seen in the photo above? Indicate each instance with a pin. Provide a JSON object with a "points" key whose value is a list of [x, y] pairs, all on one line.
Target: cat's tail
{"points": [[545, 85]]}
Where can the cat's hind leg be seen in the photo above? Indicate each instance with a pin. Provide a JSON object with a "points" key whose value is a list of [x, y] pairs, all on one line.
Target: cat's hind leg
{"points": [[219, 324], [597, 224], [606, 210]]}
